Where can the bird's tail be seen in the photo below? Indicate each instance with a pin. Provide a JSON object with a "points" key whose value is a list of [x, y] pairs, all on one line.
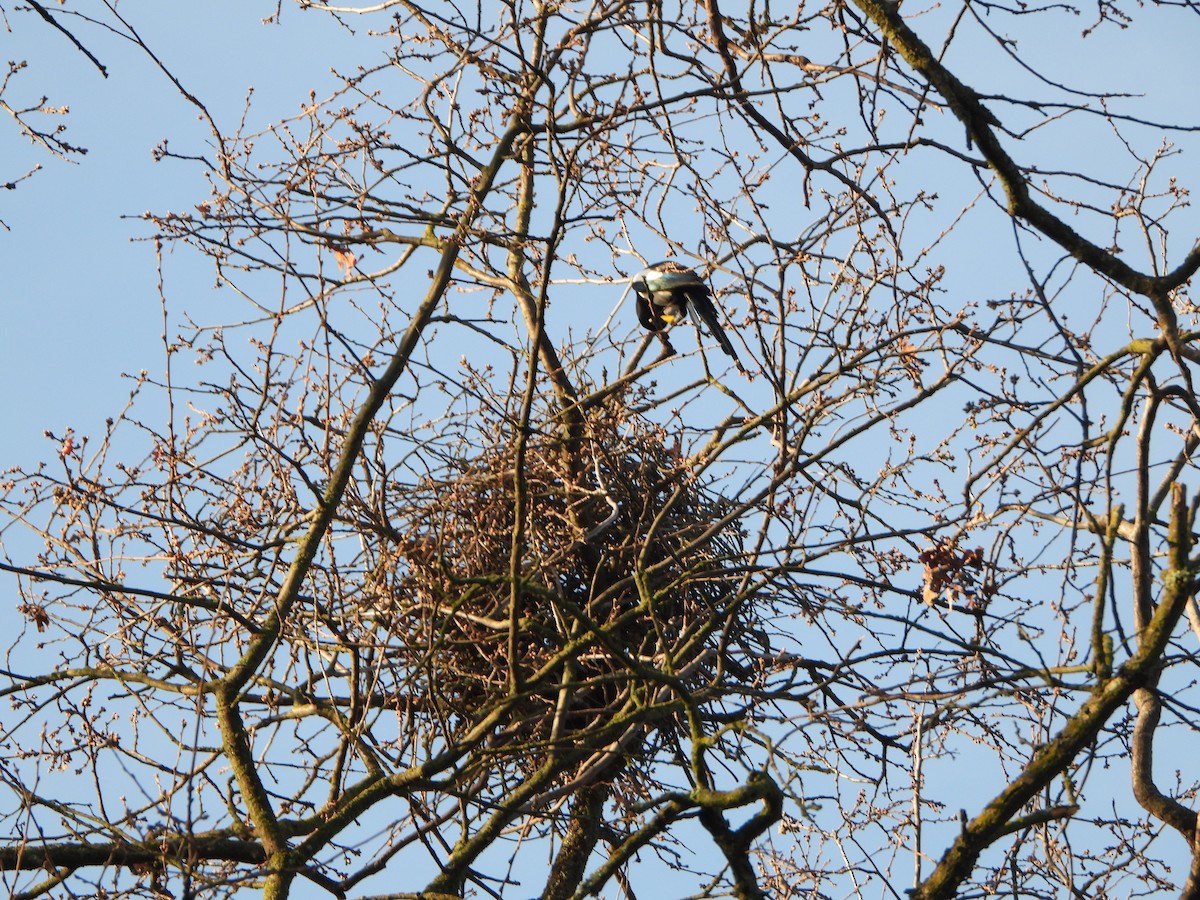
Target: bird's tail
{"points": [[701, 306]]}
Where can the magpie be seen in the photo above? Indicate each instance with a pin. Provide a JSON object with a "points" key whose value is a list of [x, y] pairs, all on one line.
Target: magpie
{"points": [[667, 291]]}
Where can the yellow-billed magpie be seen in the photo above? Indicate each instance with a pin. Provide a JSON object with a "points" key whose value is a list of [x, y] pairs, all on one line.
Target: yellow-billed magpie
{"points": [[667, 291]]}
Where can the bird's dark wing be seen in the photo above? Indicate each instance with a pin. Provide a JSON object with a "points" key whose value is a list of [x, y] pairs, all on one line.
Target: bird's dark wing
{"points": [[702, 305], [648, 315]]}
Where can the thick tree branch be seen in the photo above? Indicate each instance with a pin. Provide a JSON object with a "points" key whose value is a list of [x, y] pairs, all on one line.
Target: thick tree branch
{"points": [[155, 851], [1106, 698], [582, 835], [981, 126], [735, 843]]}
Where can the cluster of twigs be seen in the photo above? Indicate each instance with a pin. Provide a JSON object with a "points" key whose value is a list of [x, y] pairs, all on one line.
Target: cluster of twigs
{"points": [[620, 592]]}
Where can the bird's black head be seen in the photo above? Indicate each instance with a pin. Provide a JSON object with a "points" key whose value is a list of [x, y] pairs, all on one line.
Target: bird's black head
{"points": [[640, 287]]}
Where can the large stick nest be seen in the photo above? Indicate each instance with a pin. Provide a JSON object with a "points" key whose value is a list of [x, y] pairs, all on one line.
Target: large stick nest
{"points": [[624, 588]]}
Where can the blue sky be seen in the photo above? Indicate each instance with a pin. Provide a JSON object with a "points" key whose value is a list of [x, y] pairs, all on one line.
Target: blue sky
{"points": [[80, 306]]}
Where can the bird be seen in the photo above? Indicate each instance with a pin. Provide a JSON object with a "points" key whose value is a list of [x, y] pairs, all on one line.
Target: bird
{"points": [[667, 291]]}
